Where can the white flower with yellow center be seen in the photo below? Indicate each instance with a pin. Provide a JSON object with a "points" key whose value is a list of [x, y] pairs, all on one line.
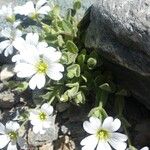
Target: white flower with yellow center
{"points": [[40, 118], [36, 61], [10, 34], [103, 135], [31, 10], [9, 135], [6, 12]]}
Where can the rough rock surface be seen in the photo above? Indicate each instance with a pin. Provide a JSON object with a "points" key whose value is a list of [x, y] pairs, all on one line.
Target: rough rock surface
{"points": [[121, 31]]}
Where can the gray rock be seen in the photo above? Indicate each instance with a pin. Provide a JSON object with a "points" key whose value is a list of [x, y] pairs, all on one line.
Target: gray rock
{"points": [[61, 107], [40, 139], [120, 30], [8, 99]]}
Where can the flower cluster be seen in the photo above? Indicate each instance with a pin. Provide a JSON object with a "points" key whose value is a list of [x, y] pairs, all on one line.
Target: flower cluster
{"points": [[49, 58], [36, 60]]}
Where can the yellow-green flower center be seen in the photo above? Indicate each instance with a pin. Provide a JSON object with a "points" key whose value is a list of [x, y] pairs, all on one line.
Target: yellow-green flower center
{"points": [[13, 135], [42, 116], [102, 134], [42, 67]]}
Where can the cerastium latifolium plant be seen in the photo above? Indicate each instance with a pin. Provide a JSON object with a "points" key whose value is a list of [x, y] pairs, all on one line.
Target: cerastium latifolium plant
{"points": [[49, 54]]}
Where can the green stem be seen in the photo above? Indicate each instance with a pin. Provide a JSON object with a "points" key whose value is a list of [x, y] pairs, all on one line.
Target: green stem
{"points": [[126, 132]]}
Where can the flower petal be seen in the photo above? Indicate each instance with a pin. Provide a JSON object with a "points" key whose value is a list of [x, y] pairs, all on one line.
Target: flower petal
{"points": [[9, 50], [19, 44], [145, 148], [40, 3], [2, 128], [42, 45], [4, 140], [92, 126], [4, 44], [119, 136], [25, 9], [116, 124], [24, 70], [51, 54], [46, 124], [118, 145], [6, 33], [44, 10], [102, 145], [37, 80], [12, 126], [55, 75], [90, 141], [32, 38], [107, 124], [54, 71], [47, 108], [12, 146]]}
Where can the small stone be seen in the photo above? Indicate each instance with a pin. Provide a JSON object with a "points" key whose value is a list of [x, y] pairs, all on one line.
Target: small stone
{"points": [[64, 129], [65, 143], [7, 72], [40, 139], [7, 99], [48, 146]]}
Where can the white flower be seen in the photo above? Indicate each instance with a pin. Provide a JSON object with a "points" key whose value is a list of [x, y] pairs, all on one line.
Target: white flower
{"points": [[6, 11], [9, 135], [103, 135], [10, 34], [31, 10], [40, 118], [36, 61]]}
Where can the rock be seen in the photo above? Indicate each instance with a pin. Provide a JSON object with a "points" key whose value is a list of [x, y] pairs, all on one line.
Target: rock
{"points": [[61, 107], [40, 139], [48, 146], [8, 99], [143, 133], [7, 72], [120, 30], [64, 129], [65, 143]]}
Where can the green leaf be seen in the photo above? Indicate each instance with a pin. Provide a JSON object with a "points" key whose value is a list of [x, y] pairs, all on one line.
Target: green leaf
{"points": [[73, 91], [56, 10], [60, 40], [77, 4], [66, 26], [98, 112], [105, 87], [91, 62], [72, 84], [72, 47], [73, 71], [64, 97], [119, 104], [68, 58], [21, 86], [80, 98]]}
